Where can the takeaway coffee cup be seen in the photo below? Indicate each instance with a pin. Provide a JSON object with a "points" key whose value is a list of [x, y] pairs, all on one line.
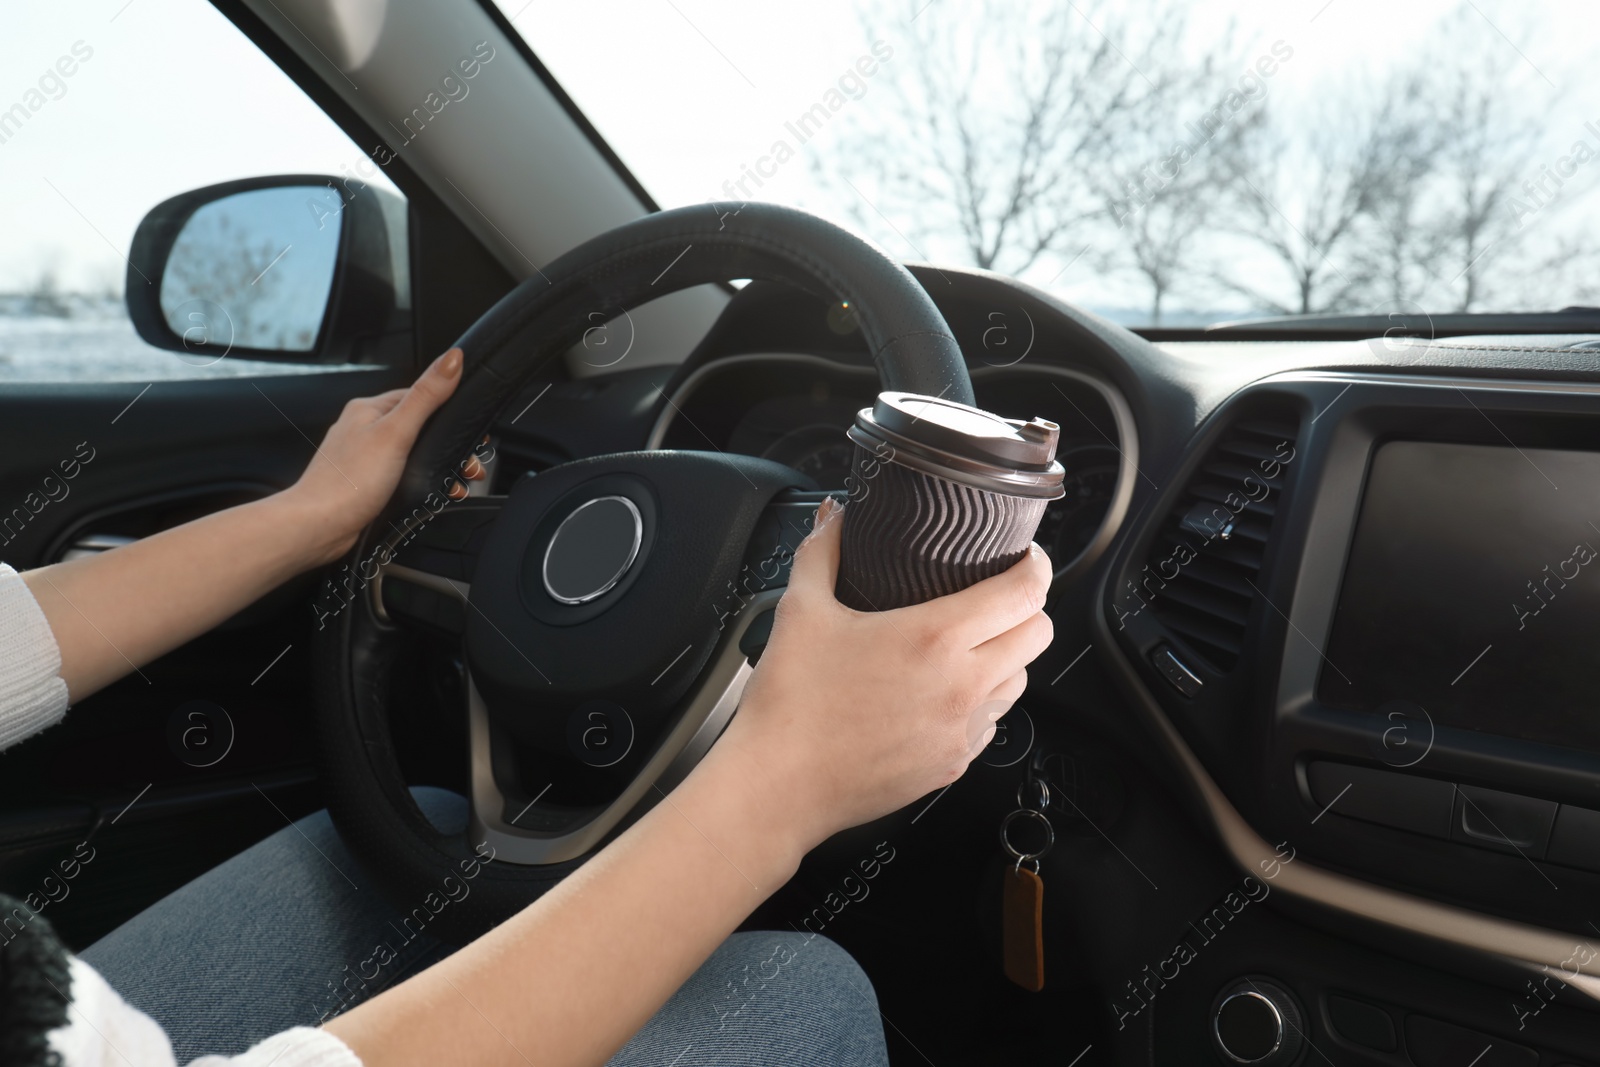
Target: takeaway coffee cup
{"points": [[941, 495]]}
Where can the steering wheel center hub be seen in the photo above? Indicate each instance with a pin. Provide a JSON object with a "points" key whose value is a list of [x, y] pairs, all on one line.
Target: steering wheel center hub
{"points": [[592, 549], [597, 575]]}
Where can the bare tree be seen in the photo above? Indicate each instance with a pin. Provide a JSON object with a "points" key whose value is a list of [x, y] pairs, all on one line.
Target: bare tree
{"points": [[1562, 272], [1161, 239], [1410, 194], [1488, 148], [1329, 201], [1397, 248], [1012, 140], [224, 258], [1002, 124], [44, 295], [1166, 209], [106, 281]]}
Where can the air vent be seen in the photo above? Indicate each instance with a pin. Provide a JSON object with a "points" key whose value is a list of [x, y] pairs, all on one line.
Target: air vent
{"points": [[1207, 559]]}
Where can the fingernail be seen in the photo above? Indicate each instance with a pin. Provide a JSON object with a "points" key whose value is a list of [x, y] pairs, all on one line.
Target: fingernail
{"points": [[449, 364]]}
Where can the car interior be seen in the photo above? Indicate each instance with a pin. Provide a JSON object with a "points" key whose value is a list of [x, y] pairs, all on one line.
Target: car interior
{"points": [[1299, 787]]}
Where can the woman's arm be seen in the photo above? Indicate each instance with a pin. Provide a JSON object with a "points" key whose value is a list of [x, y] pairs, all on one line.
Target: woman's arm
{"points": [[849, 716], [115, 611]]}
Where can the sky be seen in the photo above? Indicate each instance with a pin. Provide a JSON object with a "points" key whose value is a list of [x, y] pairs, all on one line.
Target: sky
{"points": [[689, 92], [171, 97], [721, 77]]}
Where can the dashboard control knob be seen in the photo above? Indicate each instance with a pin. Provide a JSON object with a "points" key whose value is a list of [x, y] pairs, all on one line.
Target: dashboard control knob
{"points": [[1257, 1021]]}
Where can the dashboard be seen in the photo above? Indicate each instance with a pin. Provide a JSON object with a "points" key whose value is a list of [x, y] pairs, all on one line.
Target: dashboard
{"points": [[1324, 613], [795, 408]]}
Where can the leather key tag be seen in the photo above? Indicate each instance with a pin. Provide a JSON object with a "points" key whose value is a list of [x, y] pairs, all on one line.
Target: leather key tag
{"points": [[1022, 928]]}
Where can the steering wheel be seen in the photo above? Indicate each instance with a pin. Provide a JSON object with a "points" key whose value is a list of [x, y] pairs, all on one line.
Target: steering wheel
{"points": [[605, 605]]}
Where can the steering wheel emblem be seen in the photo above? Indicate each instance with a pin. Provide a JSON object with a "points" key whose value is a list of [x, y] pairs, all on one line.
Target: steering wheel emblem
{"points": [[592, 549]]}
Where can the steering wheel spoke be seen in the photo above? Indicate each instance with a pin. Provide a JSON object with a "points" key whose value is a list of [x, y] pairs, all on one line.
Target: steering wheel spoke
{"points": [[516, 818], [427, 581], [524, 829]]}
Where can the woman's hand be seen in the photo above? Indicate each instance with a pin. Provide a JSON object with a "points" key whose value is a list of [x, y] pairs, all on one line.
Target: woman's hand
{"points": [[852, 715], [115, 610], [358, 465]]}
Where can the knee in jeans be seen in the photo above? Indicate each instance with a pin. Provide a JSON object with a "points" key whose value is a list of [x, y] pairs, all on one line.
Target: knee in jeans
{"points": [[767, 999], [802, 982]]}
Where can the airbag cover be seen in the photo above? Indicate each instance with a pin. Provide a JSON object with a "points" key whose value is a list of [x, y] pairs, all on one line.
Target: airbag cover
{"points": [[697, 511]]}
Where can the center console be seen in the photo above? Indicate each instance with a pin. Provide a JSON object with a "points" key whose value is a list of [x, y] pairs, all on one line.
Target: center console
{"points": [[1435, 711], [1366, 611]]}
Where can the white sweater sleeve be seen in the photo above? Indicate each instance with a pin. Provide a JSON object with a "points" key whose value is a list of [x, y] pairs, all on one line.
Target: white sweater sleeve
{"points": [[32, 694], [103, 1030]]}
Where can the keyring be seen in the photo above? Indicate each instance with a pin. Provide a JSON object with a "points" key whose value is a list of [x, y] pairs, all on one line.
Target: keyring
{"points": [[1044, 794], [1027, 857]]}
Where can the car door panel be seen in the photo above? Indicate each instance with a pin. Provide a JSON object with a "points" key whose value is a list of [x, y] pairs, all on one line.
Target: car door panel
{"points": [[140, 442], [177, 766]]}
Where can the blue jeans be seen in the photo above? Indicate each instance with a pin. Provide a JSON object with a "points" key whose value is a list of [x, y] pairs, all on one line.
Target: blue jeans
{"points": [[282, 935]]}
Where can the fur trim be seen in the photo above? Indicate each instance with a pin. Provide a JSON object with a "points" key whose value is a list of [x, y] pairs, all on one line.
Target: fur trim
{"points": [[35, 986]]}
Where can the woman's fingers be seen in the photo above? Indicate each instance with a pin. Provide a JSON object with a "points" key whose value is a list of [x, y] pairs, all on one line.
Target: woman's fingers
{"points": [[472, 470], [1017, 647], [816, 564], [384, 403], [405, 410], [431, 389], [985, 718], [983, 611], [1001, 618], [937, 676], [1008, 692]]}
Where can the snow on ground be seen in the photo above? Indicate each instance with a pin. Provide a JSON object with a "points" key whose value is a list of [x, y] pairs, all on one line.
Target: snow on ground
{"points": [[104, 348]]}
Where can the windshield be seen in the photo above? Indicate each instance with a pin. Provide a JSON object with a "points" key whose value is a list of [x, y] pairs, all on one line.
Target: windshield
{"points": [[1158, 161]]}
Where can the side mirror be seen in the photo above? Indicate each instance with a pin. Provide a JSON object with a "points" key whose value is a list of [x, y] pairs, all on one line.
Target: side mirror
{"points": [[303, 268]]}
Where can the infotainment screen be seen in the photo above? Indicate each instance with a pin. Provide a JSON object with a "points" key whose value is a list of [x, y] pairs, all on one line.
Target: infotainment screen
{"points": [[1473, 589]]}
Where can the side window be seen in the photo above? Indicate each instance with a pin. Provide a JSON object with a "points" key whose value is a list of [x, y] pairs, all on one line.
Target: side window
{"points": [[110, 108]]}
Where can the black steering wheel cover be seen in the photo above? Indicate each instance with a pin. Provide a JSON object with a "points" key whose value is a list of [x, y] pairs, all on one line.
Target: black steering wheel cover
{"points": [[539, 320], [547, 314]]}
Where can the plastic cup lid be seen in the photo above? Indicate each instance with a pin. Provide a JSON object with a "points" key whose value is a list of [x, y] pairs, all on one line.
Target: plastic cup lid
{"points": [[965, 443]]}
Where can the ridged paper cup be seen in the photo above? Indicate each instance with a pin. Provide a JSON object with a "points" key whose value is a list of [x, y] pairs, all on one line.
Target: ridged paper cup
{"points": [[941, 495]]}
